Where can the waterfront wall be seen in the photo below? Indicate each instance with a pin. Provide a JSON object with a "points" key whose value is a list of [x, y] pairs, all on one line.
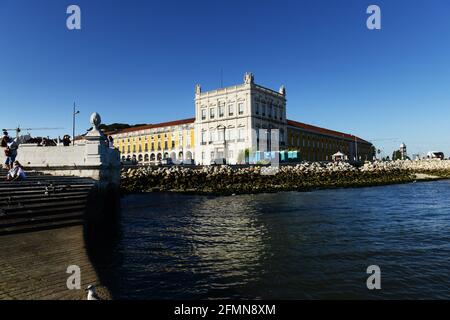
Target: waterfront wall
{"points": [[101, 164], [301, 177], [90, 157]]}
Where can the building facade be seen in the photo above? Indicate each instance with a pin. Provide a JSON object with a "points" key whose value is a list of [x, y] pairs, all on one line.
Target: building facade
{"points": [[319, 144], [228, 121], [153, 143], [232, 125]]}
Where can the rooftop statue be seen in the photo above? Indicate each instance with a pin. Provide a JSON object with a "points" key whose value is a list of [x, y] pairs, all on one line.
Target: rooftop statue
{"points": [[198, 89], [249, 78]]}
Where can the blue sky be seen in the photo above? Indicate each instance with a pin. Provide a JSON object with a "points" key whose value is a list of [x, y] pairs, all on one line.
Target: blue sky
{"points": [[138, 61]]}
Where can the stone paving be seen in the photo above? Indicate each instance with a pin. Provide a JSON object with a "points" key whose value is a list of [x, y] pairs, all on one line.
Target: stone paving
{"points": [[33, 265]]}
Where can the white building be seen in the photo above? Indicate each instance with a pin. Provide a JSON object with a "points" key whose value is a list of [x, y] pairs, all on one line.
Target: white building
{"points": [[228, 120]]}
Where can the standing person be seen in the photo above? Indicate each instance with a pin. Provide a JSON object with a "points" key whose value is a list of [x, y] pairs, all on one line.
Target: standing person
{"points": [[16, 173], [5, 139], [11, 152], [111, 142], [66, 140], [4, 144]]}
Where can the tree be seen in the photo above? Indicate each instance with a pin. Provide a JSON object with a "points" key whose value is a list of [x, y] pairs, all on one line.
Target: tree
{"points": [[117, 126], [373, 152], [396, 155]]}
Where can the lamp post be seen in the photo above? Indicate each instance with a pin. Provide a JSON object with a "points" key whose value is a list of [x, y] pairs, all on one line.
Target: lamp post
{"points": [[73, 127]]}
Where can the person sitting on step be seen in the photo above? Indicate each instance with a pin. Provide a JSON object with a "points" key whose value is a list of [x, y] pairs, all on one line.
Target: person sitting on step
{"points": [[16, 173]]}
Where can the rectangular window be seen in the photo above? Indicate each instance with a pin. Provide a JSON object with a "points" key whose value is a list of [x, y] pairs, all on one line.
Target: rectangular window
{"points": [[212, 136], [230, 109], [221, 111], [203, 138], [212, 113], [220, 134], [241, 108], [203, 114], [241, 134], [264, 110], [257, 108]]}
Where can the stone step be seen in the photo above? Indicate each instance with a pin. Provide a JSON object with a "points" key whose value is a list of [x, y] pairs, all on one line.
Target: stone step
{"points": [[41, 187], [37, 193], [42, 202], [42, 199], [41, 180], [41, 226], [37, 207], [4, 214], [23, 221], [6, 199]]}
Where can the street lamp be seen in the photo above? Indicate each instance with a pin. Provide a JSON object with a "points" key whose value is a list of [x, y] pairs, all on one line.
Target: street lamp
{"points": [[73, 127]]}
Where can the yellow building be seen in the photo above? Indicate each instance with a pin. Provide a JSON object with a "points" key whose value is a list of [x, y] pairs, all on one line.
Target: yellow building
{"points": [[150, 143], [319, 144]]}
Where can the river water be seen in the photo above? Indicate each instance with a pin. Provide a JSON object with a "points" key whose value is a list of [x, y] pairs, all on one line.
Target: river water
{"points": [[290, 245]]}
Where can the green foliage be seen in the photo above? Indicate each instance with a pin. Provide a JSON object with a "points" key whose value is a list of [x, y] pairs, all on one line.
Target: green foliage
{"points": [[396, 155], [117, 126]]}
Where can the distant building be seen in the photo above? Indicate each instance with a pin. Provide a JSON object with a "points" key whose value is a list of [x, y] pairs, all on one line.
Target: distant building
{"points": [[232, 123], [435, 155], [403, 153]]}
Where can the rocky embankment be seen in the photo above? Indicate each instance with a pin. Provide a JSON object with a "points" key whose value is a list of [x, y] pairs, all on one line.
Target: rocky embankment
{"points": [[301, 177]]}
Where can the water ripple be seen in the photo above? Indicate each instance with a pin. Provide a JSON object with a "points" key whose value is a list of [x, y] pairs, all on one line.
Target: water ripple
{"points": [[314, 245]]}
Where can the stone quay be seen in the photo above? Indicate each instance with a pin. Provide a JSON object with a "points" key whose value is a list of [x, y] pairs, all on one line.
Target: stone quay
{"points": [[228, 180]]}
